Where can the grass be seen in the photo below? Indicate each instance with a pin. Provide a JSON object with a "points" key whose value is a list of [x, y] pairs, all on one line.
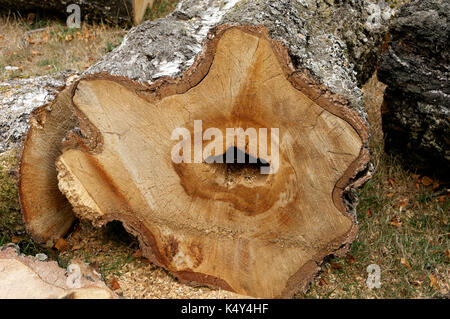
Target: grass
{"points": [[403, 227], [403, 218], [36, 45], [160, 9]]}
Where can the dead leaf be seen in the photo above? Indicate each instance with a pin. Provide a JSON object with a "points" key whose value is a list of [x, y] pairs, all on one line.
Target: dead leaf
{"points": [[418, 186], [15, 240], [433, 282], [392, 182], [442, 199], [396, 222], [336, 266], [426, 181], [34, 52], [405, 262], [351, 259], [390, 195], [137, 253], [322, 281], [403, 204], [146, 261], [115, 284], [447, 253], [61, 244], [369, 213], [77, 246]]}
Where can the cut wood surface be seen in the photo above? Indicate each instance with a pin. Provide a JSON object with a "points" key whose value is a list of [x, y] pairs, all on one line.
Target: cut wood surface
{"points": [[115, 11], [221, 225], [46, 212], [27, 277], [257, 236]]}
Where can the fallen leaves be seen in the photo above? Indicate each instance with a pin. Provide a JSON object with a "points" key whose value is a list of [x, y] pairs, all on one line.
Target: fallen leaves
{"points": [[406, 263], [392, 182], [137, 254], [433, 282], [61, 244], [396, 222], [336, 266], [426, 181], [322, 282], [115, 284], [351, 259], [404, 204]]}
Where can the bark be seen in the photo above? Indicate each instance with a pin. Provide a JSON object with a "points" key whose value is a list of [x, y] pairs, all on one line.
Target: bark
{"points": [[19, 97], [115, 11], [27, 277], [417, 99], [249, 64]]}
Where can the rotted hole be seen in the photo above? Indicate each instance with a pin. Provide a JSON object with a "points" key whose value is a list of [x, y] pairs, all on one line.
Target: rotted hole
{"points": [[116, 233], [237, 165]]}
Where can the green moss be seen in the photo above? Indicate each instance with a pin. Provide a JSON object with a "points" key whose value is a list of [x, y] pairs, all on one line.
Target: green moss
{"points": [[10, 220], [12, 228]]}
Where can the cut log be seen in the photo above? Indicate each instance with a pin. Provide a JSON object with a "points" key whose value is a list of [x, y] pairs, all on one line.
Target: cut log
{"points": [[115, 11], [47, 216], [46, 212], [225, 225], [19, 97], [27, 277]]}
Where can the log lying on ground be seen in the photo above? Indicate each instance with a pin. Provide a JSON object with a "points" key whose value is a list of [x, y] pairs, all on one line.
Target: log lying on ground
{"points": [[115, 11], [20, 97], [416, 108], [26, 277], [221, 225], [29, 103]]}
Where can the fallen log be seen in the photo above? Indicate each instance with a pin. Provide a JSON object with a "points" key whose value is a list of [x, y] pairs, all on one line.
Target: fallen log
{"points": [[416, 108], [115, 11], [20, 97], [259, 228]]}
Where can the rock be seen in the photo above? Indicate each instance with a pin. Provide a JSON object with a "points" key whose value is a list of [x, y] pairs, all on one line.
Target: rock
{"points": [[19, 97], [26, 277], [416, 70]]}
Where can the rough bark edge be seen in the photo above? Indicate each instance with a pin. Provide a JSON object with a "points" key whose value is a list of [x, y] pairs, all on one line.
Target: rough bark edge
{"points": [[355, 175]]}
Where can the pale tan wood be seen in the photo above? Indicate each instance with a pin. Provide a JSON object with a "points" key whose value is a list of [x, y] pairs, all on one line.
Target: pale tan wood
{"points": [[261, 236], [25, 277], [139, 9], [46, 212]]}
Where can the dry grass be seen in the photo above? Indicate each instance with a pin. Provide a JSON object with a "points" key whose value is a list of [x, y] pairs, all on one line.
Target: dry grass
{"points": [[404, 228], [37, 46], [52, 48], [404, 220]]}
